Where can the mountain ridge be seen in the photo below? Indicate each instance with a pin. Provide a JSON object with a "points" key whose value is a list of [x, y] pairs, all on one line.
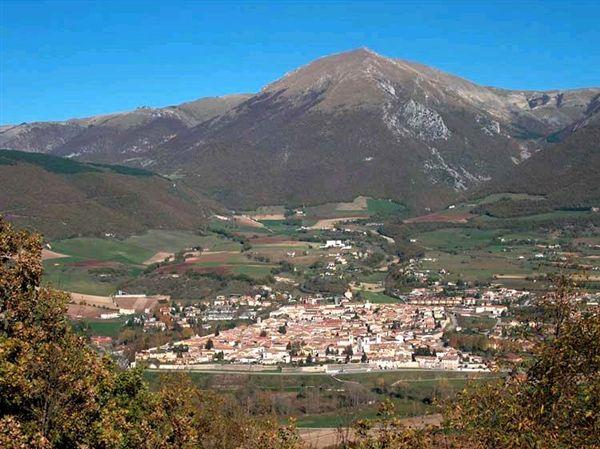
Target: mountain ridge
{"points": [[303, 120], [349, 124], [65, 198], [125, 132]]}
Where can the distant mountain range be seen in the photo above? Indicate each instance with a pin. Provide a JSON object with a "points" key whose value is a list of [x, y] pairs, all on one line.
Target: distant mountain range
{"points": [[119, 137], [350, 124]]}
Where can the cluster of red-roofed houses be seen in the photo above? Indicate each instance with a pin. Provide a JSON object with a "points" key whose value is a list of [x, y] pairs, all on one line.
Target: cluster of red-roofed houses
{"points": [[384, 336]]}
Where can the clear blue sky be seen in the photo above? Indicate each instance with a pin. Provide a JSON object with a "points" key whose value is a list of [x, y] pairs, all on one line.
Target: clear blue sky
{"points": [[78, 58]]}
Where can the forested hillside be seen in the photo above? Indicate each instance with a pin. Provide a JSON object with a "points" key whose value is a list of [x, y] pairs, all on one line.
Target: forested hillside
{"points": [[566, 174], [62, 197]]}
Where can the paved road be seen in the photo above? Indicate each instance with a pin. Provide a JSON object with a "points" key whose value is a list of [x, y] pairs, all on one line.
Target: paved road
{"points": [[344, 381], [319, 373]]}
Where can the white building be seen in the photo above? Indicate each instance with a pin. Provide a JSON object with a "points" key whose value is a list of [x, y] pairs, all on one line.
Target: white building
{"points": [[333, 244]]}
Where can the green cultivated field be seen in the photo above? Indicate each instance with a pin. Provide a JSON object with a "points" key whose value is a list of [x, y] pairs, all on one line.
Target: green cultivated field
{"points": [[108, 328], [458, 239], [254, 271], [478, 266], [488, 255], [90, 259], [386, 207], [104, 250], [75, 279], [332, 210], [371, 206], [410, 394], [170, 241], [280, 227], [507, 196], [237, 228], [378, 298], [264, 210], [476, 322], [374, 277], [345, 417], [556, 215], [76, 273]]}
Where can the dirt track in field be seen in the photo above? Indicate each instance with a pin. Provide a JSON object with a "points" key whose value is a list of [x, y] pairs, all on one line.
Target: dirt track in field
{"points": [[80, 311], [267, 240], [212, 256], [247, 221], [439, 218], [320, 438], [330, 223], [359, 203], [94, 264], [93, 300], [267, 217], [158, 257], [49, 254]]}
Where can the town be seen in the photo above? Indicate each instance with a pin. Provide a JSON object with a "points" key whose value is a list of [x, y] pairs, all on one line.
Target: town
{"points": [[317, 333]]}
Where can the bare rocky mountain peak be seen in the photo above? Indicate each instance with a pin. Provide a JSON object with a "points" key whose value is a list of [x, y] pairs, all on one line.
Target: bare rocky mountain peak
{"points": [[363, 78], [331, 69]]}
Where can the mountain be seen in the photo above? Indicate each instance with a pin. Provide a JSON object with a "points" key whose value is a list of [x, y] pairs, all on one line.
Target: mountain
{"points": [[63, 198], [566, 174], [359, 123], [591, 118], [350, 124], [122, 137]]}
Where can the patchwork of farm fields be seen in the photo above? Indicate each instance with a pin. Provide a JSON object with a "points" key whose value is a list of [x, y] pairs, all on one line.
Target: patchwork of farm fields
{"points": [[329, 213], [238, 248], [254, 248], [321, 400], [98, 265], [514, 258]]}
